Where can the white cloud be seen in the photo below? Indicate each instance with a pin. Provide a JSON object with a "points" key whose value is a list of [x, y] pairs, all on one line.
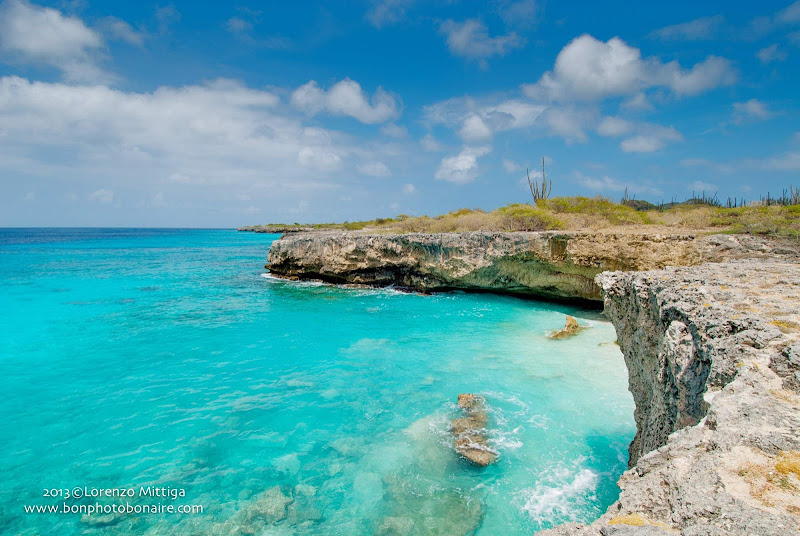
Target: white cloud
{"points": [[322, 159], [637, 102], [121, 30], [478, 122], [346, 98], [238, 25], [589, 69], [700, 186], [614, 126], [474, 129], [394, 130], [771, 53], [217, 134], [510, 166], [752, 109], [388, 12], [42, 35], [431, 144], [695, 30], [609, 184], [569, 123], [790, 14], [409, 189], [650, 138], [520, 13], [789, 161], [375, 169], [471, 40], [463, 167], [764, 25], [103, 195]]}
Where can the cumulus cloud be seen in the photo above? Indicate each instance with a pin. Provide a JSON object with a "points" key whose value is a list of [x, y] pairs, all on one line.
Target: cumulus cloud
{"points": [[637, 102], [642, 137], [789, 161], [374, 169], [475, 129], [752, 109], [122, 31], [394, 131], [787, 16], [520, 13], [510, 166], [388, 12], [614, 126], [471, 39], [463, 167], [430, 144], [44, 36], [480, 121], [589, 69], [771, 53], [345, 98], [694, 30], [409, 189], [609, 184], [217, 134], [650, 138]]}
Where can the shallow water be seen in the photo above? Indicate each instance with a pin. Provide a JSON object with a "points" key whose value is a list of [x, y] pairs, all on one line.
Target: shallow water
{"points": [[164, 358]]}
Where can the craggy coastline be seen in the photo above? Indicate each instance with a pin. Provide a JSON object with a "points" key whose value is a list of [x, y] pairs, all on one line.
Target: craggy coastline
{"points": [[712, 348], [549, 264]]}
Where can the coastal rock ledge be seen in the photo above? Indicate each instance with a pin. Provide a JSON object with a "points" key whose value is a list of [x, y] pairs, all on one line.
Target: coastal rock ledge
{"points": [[713, 354], [549, 264]]}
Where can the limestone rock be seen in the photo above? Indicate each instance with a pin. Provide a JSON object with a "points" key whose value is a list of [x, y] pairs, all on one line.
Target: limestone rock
{"points": [[549, 264], [712, 375], [571, 327], [469, 432]]}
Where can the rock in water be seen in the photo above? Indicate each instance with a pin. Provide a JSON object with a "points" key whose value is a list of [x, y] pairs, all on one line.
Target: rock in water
{"points": [[571, 327], [469, 431]]}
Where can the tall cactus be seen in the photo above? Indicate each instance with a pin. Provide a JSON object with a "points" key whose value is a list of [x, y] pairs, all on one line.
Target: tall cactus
{"points": [[539, 192]]}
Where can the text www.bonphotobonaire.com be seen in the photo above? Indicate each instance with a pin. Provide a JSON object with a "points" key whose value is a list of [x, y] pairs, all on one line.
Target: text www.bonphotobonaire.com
{"points": [[125, 507]]}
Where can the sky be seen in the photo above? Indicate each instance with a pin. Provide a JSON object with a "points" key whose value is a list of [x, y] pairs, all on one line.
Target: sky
{"points": [[201, 114]]}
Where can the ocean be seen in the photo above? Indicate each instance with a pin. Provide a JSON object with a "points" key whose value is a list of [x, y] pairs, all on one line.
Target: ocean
{"points": [[144, 369]]}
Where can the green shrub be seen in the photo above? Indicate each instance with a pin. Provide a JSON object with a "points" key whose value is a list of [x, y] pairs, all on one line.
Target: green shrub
{"points": [[523, 217]]}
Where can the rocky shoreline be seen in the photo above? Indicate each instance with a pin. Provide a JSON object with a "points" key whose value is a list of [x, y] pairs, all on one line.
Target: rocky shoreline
{"points": [[549, 264], [712, 348]]}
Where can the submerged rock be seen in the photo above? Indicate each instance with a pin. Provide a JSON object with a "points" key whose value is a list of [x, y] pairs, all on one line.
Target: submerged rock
{"points": [[571, 327], [469, 431]]}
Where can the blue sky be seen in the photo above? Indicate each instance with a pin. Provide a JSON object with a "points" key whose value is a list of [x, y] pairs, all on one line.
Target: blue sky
{"points": [[192, 114]]}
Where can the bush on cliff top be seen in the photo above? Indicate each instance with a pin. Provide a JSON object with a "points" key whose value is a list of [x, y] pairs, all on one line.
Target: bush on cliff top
{"points": [[591, 213]]}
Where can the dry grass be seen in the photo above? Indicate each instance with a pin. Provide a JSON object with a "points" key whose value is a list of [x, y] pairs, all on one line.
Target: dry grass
{"points": [[776, 480], [582, 213], [636, 520]]}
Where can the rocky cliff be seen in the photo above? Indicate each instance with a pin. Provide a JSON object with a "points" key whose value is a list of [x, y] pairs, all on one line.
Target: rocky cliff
{"points": [[559, 265], [713, 354]]}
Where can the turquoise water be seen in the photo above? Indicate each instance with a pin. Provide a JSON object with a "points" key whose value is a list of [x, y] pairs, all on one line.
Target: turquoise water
{"points": [[165, 358]]}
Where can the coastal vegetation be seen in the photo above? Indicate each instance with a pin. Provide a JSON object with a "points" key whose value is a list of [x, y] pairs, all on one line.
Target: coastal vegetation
{"points": [[776, 217]]}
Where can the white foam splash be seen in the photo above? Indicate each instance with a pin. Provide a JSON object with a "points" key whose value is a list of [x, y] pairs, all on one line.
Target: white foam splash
{"points": [[546, 502]]}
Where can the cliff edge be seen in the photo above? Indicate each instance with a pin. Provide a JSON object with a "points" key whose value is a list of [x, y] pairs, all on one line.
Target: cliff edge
{"points": [[549, 264], [713, 354]]}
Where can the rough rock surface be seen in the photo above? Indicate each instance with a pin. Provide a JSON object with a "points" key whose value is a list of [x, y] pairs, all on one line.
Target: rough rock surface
{"points": [[550, 264], [571, 327], [469, 432], [712, 353]]}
